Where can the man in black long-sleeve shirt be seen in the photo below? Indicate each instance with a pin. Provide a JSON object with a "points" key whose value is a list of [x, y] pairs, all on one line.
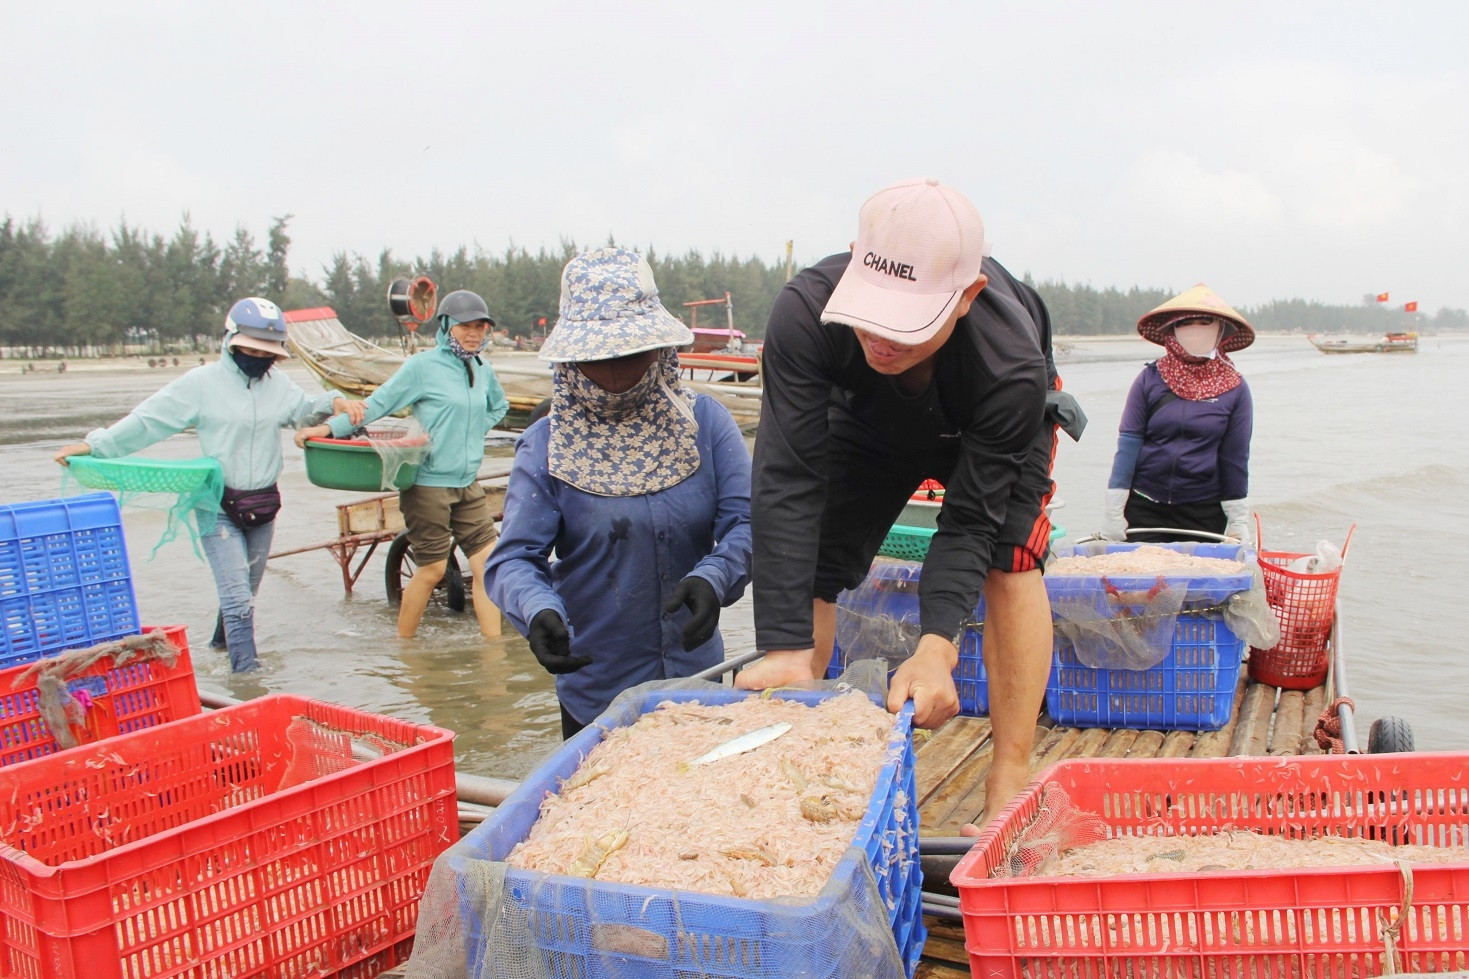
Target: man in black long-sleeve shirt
{"points": [[912, 357]]}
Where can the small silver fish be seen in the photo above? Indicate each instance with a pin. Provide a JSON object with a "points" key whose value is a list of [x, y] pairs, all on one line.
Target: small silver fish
{"points": [[748, 741]]}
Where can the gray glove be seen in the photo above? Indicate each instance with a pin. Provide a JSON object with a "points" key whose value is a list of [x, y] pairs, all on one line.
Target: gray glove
{"points": [[1237, 522], [1114, 523]]}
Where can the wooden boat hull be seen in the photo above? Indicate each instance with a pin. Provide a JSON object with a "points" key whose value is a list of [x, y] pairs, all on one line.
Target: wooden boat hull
{"points": [[1390, 343]]}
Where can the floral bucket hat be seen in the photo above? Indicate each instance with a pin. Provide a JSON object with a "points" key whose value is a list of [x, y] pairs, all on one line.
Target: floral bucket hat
{"points": [[1198, 301], [610, 308]]}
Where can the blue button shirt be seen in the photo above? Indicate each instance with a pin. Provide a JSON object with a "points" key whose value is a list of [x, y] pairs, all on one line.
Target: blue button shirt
{"points": [[619, 559]]}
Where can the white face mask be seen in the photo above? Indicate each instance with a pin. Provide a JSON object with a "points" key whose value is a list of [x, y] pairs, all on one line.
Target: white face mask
{"points": [[1199, 339]]}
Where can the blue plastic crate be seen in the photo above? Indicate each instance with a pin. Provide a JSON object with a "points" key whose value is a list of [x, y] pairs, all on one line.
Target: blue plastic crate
{"points": [[683, 933], [898, 583], [65, 581], [1192, 689]]}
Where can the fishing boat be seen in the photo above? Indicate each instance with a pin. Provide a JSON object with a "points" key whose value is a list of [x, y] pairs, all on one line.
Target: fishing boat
{"points": [[339, 358], [354, 365], [1385, 344], [719, 354], [721, 365]]}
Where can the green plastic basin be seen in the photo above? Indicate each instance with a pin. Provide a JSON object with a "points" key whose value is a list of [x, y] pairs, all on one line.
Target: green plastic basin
{"points": [[352, 464]]}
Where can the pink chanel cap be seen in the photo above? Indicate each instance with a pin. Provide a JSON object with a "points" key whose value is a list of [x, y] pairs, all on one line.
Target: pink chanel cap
{"points": [[919, 246]]}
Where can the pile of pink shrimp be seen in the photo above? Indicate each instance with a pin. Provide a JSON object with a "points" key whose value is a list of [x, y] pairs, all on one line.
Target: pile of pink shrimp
{"points": [[1235, 851], [773, 821], [1146, 559]]}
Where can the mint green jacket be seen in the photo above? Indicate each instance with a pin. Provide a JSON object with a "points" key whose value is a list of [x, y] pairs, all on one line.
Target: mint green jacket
{"points": [[455, 412], [239, 421]]}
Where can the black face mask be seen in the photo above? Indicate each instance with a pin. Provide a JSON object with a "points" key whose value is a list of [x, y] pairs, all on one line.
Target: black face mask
{"points": [[253, 367]]}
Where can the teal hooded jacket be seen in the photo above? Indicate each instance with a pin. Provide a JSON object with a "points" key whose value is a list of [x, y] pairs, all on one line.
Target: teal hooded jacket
{"points": [[456, 411], [238, 420]]}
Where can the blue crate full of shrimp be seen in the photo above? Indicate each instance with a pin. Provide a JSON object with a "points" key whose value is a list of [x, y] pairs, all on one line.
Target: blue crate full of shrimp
{"points": [[1144, 640], [65, 581], [865, 920], [879, 619]]}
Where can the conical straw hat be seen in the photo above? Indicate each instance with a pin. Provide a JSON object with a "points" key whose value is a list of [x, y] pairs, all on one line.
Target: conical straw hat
{"points": [[1199, 299]]}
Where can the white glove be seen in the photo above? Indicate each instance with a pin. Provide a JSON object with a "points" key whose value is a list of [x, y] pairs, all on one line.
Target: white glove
{"points": [[1237, 521], [1114, 523]]}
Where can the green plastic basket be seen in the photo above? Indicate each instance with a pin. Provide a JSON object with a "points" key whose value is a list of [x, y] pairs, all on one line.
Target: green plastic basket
{"points": [[352, 465], [907, 543], [911, 543]]}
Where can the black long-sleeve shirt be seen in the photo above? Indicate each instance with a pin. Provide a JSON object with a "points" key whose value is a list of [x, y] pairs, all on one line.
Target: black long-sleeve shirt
{"points": [[991, 376]]}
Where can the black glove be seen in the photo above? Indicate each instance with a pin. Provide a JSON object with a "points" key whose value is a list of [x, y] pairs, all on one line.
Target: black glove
{"points": [[551, 643], [698, 595]]}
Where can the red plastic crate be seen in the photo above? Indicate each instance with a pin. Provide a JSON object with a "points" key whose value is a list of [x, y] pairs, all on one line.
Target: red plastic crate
{"points": [[136, 695], [233, 843], [1325, 922]]}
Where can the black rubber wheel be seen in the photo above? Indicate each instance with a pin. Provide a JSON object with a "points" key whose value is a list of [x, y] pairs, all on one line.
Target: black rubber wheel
{"points": [[449, 592], [1389, 734]]}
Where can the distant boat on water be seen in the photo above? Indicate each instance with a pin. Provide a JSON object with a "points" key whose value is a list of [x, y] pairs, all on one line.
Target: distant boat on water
{"points": [[1387, 343]]}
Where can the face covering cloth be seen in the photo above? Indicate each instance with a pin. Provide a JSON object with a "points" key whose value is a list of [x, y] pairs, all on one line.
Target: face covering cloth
{"points": [[252, 367], [628, 444], [1195, 378]]}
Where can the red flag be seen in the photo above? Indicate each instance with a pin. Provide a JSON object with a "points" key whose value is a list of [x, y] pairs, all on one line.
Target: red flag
{"points": [[1382, 297], [1410, 307]]}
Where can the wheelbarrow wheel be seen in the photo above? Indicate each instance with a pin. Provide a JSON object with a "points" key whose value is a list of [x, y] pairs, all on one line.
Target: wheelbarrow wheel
{"points": [[400, 568], [1389, 734]]}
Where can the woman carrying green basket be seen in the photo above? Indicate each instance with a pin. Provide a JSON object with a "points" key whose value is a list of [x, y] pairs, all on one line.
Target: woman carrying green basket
{"points": [[237, 405]]}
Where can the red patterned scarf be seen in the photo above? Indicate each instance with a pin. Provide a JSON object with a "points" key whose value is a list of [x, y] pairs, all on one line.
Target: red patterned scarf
{"points": [[1195, 378]]}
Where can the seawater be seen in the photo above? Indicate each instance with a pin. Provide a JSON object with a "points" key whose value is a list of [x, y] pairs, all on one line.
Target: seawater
{"points": [[1373, 440]]}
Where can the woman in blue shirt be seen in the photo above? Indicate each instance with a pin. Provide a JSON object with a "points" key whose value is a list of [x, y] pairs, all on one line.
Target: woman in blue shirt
{"points": [[1183, 447], [640, 488]]}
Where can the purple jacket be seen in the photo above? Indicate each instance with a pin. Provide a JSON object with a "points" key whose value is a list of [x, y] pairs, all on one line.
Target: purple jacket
{"points": [[1187, 451]]}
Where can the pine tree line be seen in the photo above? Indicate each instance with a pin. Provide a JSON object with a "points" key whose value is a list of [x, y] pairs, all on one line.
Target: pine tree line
{"points": [[84, 291]]}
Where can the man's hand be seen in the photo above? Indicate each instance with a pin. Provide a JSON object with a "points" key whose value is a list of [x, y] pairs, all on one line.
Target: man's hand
{"points": [[927, 679], [781, 668], [698, 595], [74, 449], [551, 643], [354, 410], [314, 432]]}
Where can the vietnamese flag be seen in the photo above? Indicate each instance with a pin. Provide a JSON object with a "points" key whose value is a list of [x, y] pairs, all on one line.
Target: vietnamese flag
{"points": [[1382, 297], [1410, 307]]}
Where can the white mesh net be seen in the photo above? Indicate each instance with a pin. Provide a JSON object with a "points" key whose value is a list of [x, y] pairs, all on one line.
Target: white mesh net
{"points": [[1114, 622], [1058, 828], [403, 442], [481, 918], [317, 751], [879, 618], [1127, 621]]}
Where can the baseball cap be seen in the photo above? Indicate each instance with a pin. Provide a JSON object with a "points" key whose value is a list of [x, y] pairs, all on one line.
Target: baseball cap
{"points": [[919, 246]]}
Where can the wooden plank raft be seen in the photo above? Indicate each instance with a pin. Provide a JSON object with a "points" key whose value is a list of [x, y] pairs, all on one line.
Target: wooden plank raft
{"points": [[951, 765]]}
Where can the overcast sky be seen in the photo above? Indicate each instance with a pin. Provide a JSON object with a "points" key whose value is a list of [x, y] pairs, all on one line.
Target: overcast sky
{"points": [[1273, 150]]}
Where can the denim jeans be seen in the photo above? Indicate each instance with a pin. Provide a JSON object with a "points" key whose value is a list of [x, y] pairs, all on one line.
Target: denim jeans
{"points": [[237, 558]]}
